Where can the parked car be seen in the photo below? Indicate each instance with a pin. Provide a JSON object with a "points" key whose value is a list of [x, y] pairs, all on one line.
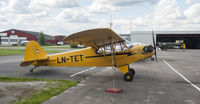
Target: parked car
{"points": [[60, 43], [23, 42]]}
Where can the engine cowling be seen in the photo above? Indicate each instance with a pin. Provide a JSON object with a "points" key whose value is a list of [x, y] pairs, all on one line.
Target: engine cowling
{"points": [[148, 48]]}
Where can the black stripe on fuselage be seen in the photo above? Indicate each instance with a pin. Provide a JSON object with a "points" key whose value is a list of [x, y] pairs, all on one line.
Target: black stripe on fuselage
{"points": [[126, 53]]}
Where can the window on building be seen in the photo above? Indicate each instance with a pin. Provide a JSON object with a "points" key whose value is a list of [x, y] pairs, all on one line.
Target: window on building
{"points": [[13, 40], [4, 40], [22, 40]]}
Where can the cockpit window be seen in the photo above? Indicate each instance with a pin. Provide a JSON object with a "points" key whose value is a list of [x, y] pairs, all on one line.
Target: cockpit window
{"points": [[107, 49]]}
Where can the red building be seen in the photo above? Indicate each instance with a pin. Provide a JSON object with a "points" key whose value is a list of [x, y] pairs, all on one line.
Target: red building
{"points": [[14, 36], [59, 38]]}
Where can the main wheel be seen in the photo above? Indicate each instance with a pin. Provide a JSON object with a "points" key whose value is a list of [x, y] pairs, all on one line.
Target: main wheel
{"points": [[132, 71], [152, 58], [128, 76]]}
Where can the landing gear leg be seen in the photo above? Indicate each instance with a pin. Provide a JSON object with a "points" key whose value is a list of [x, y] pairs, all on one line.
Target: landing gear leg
{"points": [[132, 71], [31, 70]]}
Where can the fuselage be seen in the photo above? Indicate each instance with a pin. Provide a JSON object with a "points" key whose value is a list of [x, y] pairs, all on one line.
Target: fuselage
{"points": [[90, 57]]}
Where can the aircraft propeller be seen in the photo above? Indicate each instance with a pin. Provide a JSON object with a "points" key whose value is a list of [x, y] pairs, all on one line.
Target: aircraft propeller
{"points": [[154, 45]]}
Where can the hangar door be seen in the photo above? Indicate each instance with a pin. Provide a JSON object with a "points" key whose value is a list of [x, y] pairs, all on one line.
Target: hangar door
{"points": [[192, 41]]}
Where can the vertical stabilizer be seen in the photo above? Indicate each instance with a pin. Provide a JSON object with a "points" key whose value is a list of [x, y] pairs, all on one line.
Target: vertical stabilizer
{"points": [[34, 52]]}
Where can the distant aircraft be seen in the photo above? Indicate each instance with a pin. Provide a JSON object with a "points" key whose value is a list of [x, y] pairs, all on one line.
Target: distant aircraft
{"points": [[105, 48]]}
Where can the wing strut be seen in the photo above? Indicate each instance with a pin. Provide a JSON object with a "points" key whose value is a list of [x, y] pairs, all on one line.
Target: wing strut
{"points": [[113, 51]]}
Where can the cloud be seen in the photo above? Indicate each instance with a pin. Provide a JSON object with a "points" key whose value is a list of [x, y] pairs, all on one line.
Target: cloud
{"points": [[193, 11], [106, 6], [2, 4], [68, 16], [102, 6], [192, 14], [18, 6], [75, 15], [167, 15], [123, 3], [168, 9], [3, 19], [33, 6], [188, 1], [55, 3]]}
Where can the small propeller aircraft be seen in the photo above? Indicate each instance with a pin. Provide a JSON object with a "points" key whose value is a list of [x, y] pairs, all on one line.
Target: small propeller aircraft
{"points": [[105, 48]]}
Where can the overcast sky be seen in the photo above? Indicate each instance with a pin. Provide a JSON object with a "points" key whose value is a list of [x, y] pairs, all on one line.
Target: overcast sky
{"points": [[68, 16]]}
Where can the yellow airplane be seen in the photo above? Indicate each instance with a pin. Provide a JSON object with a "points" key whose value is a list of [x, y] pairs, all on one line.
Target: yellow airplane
{"points": [[105, 48]]}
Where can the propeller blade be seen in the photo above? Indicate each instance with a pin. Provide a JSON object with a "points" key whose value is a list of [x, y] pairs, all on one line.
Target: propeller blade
{"points": [[154, 44]]}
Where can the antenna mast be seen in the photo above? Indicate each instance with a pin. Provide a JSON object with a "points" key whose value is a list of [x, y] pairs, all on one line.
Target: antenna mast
{"points": [[110, 21], [131, 25]]}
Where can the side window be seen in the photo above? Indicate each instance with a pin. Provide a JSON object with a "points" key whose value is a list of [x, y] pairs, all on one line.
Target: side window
{"points": [[107, 49]]}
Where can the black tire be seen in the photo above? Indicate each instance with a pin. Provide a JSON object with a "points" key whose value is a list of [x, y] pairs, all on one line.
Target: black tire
{"points": [[128, 76], [132, 71], [152, 58], [31, 70]]}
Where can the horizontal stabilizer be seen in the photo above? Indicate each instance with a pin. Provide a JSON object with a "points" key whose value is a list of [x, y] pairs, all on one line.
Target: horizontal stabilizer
{"points": [[26, 63]]}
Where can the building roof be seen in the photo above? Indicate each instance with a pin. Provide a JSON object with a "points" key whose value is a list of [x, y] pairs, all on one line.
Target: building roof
{"points": [[31, 32], [163, 32], [28, 32]]}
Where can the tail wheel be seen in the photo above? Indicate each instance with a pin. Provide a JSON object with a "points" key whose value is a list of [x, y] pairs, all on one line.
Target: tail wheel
{"points": [[31, 70], [132, 71], [128, 76]]}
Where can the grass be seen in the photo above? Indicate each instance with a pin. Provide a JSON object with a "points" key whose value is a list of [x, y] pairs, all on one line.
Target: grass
{"points": [[44, 94], [48, 47], [54, 51], [45, 46], [57, 47], [11, 46], [13, 79], [61, 47], [4, 52]]}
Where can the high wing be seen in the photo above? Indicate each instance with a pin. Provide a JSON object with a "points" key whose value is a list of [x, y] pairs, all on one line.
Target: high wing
{"points": [[94, 38]]}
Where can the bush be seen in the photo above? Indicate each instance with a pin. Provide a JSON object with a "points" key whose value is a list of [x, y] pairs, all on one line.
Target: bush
{"points": [[73, 45]]}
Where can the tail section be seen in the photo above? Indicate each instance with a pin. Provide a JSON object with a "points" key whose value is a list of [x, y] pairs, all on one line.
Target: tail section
{"points": [[33, 52]]}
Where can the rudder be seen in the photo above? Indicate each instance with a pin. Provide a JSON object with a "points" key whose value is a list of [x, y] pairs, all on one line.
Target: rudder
{"points": [[33, 52]]}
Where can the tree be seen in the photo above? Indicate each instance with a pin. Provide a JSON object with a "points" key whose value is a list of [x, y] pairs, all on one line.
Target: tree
{"points": [[41, 38]]}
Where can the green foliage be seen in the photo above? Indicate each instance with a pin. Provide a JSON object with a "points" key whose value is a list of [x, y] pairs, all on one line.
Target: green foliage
{"points": [[41, 38], [13, 79], [4, 52], [54, 51], [53, 88], [73, 45], [46, 94], [57, 47]]}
